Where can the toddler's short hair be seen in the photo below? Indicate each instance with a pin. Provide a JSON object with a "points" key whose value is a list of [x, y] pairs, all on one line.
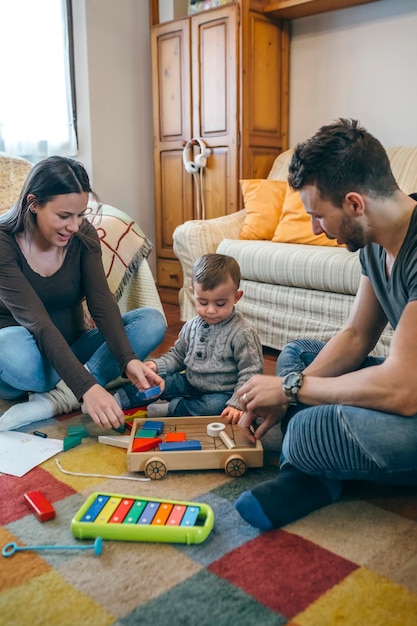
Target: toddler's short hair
{"points": [[212, 270]]}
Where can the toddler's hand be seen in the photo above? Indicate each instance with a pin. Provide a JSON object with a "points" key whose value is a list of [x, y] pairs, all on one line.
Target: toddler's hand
{"points": [[232, 415]]}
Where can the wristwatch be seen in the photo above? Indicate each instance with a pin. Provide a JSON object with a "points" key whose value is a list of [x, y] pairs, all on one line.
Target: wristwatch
{"points": [[291, 385]]}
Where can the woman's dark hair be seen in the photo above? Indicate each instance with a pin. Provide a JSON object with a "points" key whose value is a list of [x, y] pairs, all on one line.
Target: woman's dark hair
{"points": [[340, 158], [53, 176]]}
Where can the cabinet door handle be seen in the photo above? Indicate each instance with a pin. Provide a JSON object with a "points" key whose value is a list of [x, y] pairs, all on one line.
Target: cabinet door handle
{"points": [[173, 275]]}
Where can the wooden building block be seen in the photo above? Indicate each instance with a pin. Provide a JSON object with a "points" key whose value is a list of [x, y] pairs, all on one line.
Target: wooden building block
{"points": [[143, 444], [174, 446], [175, 437]]}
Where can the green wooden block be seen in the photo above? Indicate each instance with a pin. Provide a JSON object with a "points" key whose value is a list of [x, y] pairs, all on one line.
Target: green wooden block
{"points": [[77, 431], [71, 442], [146, 432]]}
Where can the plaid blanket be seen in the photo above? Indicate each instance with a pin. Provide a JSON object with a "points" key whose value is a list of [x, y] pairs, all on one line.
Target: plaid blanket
{"points": [[123, 245], [353, 563]]}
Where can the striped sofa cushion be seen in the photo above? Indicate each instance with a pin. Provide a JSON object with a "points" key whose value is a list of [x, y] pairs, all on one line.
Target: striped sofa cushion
{"points": [[293, 265]]}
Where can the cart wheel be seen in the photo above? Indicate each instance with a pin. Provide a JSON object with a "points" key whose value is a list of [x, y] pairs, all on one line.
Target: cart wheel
{"points": [[155, 469], [235, 466]]}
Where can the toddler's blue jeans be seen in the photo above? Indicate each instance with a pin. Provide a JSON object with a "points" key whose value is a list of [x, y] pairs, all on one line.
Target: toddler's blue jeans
{"points": [[184, 399]]}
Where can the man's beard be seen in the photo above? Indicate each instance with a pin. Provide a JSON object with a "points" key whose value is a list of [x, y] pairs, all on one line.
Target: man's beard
{"points": [[351, 234]]}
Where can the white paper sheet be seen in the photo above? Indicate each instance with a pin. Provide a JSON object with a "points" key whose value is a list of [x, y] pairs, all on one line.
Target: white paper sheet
{"points": [[21, 452]]}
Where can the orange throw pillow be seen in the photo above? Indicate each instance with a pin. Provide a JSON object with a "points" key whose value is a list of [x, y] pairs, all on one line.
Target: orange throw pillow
{"points": [[295, 224], [263, 201]]}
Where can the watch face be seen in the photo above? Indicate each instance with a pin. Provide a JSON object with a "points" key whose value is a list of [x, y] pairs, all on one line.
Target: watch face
{"points": [[292, 379]]}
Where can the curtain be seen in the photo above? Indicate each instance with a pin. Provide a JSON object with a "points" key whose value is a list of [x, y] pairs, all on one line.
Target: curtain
{"points": [[36, 113]]}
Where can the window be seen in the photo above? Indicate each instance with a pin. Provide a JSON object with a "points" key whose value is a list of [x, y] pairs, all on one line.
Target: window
{"points": [[36, 103]]}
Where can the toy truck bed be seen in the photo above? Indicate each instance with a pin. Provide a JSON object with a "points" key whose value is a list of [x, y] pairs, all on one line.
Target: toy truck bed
{"points": [[214, 453]]}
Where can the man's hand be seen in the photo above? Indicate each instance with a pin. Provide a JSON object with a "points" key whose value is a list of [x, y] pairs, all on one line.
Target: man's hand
{"points": [[262, 396], [271, 417], [261, 392]]}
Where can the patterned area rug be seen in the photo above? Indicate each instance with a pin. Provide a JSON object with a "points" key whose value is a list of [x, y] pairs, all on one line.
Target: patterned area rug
{"points": [[353, 563]]}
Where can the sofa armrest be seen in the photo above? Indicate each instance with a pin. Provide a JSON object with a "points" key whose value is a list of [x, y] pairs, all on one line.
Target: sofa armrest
{"points": [[195, 238]]}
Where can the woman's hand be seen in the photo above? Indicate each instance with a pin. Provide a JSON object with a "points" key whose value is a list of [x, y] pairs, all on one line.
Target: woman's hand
{"points": [[142, 375], [102, 407]]}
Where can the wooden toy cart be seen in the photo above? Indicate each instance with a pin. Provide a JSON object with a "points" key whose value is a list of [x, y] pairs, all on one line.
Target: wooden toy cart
{"points": [[214, 453]]}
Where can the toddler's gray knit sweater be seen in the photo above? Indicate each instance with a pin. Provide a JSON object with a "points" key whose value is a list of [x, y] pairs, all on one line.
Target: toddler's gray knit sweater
{"points": [[216, 357]]}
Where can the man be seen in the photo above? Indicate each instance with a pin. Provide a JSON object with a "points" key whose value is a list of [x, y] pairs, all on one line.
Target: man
{"points": [[345, 415]]}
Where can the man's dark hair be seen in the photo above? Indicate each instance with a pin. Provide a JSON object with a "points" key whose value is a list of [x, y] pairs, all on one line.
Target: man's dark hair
{"points": [[212, 270], [340, 158]]}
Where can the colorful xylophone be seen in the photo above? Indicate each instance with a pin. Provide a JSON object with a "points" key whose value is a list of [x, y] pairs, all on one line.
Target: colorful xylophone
{"points": [[130, 518]]}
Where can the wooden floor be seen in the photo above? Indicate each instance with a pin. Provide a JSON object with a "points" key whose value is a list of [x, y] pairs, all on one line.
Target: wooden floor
{"points": [[172, 312]]}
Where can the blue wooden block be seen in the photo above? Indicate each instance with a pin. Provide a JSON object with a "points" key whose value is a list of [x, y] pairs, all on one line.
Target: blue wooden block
{"points": [[173, 446], [146, 394], [151, 425]]}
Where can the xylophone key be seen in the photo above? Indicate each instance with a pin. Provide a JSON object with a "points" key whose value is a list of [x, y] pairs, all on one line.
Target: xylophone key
{"points": [[148, 513], [107, 511], [162, 514], [176, 516], [121, 511], [95, 508], [190, 516], [135, 512]]}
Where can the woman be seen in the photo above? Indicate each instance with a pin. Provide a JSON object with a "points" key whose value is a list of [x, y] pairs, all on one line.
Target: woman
{"points": [[50, 260]]}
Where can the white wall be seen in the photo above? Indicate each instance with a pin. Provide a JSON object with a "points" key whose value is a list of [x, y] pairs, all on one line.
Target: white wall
{"points": [[113, 84], [358, 62]]}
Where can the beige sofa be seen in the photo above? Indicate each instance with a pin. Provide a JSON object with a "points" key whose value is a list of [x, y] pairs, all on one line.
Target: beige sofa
{"points": [[290, 290], [124, 246]]}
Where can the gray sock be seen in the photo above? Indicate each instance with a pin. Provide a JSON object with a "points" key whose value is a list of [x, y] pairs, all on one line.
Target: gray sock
{"points": [[158, 409]]}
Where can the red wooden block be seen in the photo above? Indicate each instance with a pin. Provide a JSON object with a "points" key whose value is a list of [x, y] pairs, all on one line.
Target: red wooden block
{"points": [[129, 413], [141, 444], [175, 437], [40, 506]]}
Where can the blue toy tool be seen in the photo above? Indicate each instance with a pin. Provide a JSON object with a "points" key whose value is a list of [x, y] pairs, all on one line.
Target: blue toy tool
{"points": [[12, 547]]}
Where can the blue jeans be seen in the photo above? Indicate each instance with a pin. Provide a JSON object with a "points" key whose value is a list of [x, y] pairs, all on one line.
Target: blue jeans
{"points": [[339, 442], [23, 368], [187, 400]]}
